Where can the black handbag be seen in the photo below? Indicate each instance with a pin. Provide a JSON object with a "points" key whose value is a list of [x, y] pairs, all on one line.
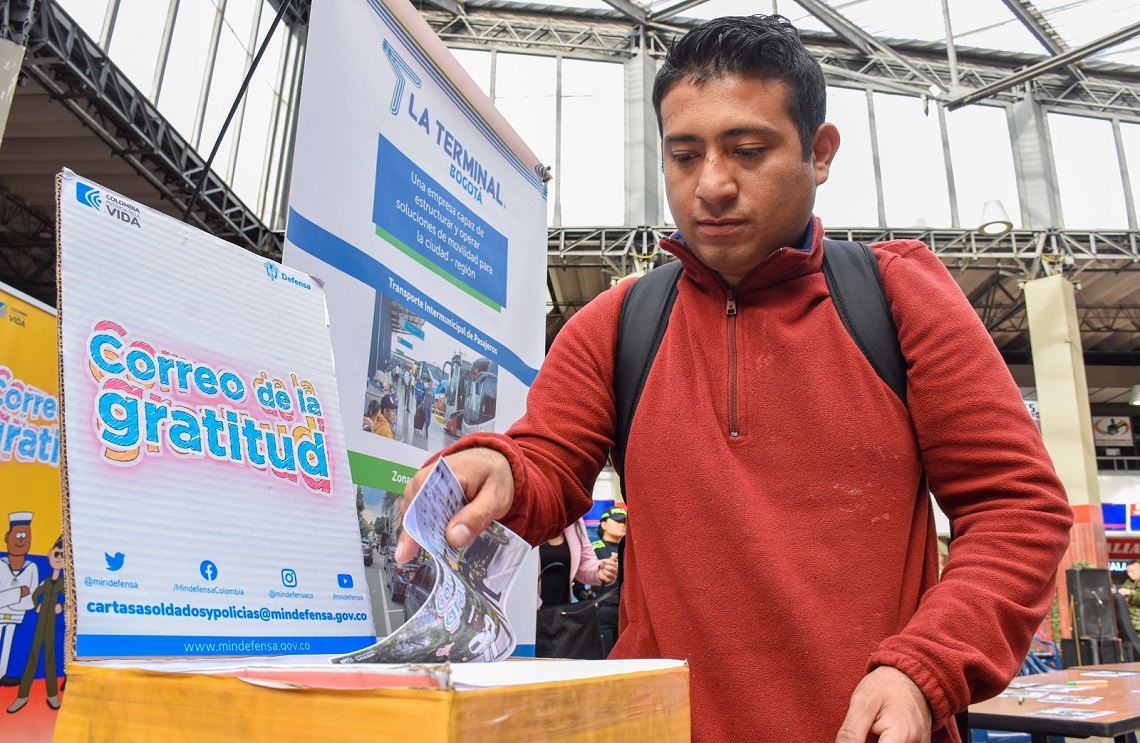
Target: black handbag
{"points": [[569, 630]]}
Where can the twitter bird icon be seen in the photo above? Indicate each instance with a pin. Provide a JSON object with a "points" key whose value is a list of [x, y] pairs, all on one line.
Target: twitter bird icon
{"points": [[115, 561]]}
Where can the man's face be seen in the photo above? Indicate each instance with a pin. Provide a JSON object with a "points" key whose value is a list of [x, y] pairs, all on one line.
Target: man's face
{"points": [[1134, 571], [55, 558], [19, 539], [735, 175], [613, 529]]}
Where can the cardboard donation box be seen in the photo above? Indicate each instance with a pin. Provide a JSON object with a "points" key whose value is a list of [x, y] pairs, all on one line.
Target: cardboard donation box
{"points": [[516, 700], [214, 564]]}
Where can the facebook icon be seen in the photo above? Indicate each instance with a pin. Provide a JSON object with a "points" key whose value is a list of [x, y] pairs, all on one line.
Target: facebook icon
{"points": [[208, 570]]}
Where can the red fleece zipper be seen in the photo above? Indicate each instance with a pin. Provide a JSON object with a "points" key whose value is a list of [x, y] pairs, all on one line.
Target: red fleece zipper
{"points": [[730, 310]]}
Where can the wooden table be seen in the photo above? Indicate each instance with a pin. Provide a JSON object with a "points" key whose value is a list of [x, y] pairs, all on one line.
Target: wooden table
{"points": [[1119, 696]]}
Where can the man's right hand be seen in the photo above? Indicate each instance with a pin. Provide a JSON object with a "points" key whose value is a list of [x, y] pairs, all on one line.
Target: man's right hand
{"points": [[489, 486], [24, 591]]}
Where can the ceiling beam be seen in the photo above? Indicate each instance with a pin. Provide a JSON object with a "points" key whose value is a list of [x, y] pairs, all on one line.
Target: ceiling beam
{"points": [[672, 10], [451, 6], [628, 8], [1048, 65], [1107, 88], [862, 40], [19, 218], [1017, 253], [74, 70], [1037, 25]]}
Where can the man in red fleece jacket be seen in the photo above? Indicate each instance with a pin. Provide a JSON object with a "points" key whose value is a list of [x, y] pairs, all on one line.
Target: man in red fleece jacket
{"points": [[808, 456]]}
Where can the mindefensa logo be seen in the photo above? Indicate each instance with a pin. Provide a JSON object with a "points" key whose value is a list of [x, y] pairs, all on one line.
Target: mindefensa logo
{"points": [[274, 272], [89, 196]]}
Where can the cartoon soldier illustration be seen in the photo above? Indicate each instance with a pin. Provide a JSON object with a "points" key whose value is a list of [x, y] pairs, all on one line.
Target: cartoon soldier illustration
{"points": [[19, 576], [48, 594]]}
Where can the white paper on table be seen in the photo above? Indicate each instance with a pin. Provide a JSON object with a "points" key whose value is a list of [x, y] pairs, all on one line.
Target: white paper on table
{"points": [[1072, 713], [1070, 699], [1023, 693]]}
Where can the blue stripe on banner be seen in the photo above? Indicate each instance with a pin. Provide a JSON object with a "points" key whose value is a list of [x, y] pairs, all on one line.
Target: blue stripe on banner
{"points": [[451, 92], [1115, 516], [523, 651], [343, 256], [129, 646]]}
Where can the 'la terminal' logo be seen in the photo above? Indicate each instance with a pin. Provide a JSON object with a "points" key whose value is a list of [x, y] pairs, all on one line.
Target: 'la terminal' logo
{"points": [[402, 69]]}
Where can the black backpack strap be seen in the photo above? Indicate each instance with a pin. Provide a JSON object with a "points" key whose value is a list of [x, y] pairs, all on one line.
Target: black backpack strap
{"points": [[644, 317], [856, 287]]}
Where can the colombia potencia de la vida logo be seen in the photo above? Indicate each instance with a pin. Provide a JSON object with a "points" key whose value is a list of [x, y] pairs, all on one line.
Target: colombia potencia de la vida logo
{"points": [[124, 211], [13, 314], [90, 196]]}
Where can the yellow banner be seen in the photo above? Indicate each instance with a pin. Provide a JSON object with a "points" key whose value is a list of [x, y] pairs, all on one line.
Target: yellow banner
{"points": [[30, 519], [29, 418]]}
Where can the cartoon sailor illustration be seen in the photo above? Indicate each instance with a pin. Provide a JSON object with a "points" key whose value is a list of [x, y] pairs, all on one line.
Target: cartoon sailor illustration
{"points": [[19, 576]]}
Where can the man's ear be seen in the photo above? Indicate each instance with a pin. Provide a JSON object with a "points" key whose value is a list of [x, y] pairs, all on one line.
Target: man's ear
{"points": [[824, 145]]}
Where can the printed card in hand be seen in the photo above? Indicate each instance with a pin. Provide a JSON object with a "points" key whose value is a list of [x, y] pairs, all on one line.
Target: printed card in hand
{"points": [[463, 618]]}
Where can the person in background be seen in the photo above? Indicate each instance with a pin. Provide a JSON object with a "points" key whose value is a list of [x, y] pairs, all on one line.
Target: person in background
{"points": [[423, 405], [611, 528], [370, 415], [568, 556], [795, 456], [1128, 589], [385, 418]]}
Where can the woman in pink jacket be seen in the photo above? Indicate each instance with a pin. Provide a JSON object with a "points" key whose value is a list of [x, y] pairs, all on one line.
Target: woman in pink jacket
{"points": [[569, 556]]}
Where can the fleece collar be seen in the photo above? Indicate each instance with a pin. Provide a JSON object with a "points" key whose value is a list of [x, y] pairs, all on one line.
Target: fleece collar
{"points": [[784, 264]]}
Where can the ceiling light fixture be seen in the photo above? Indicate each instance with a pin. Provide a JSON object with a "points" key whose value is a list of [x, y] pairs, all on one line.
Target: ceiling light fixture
{"points": [[995, 220]]}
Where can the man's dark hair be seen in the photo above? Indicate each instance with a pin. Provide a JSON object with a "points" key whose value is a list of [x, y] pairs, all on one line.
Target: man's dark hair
{"points": [[765, 46]]}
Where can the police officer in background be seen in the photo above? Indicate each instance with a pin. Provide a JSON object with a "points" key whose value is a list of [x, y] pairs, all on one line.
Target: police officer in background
{"points": [[611, 528]]}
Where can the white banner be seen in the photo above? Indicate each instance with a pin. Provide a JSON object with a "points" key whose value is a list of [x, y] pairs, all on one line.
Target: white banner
{"points": [[425, 216], [211, 510]]}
